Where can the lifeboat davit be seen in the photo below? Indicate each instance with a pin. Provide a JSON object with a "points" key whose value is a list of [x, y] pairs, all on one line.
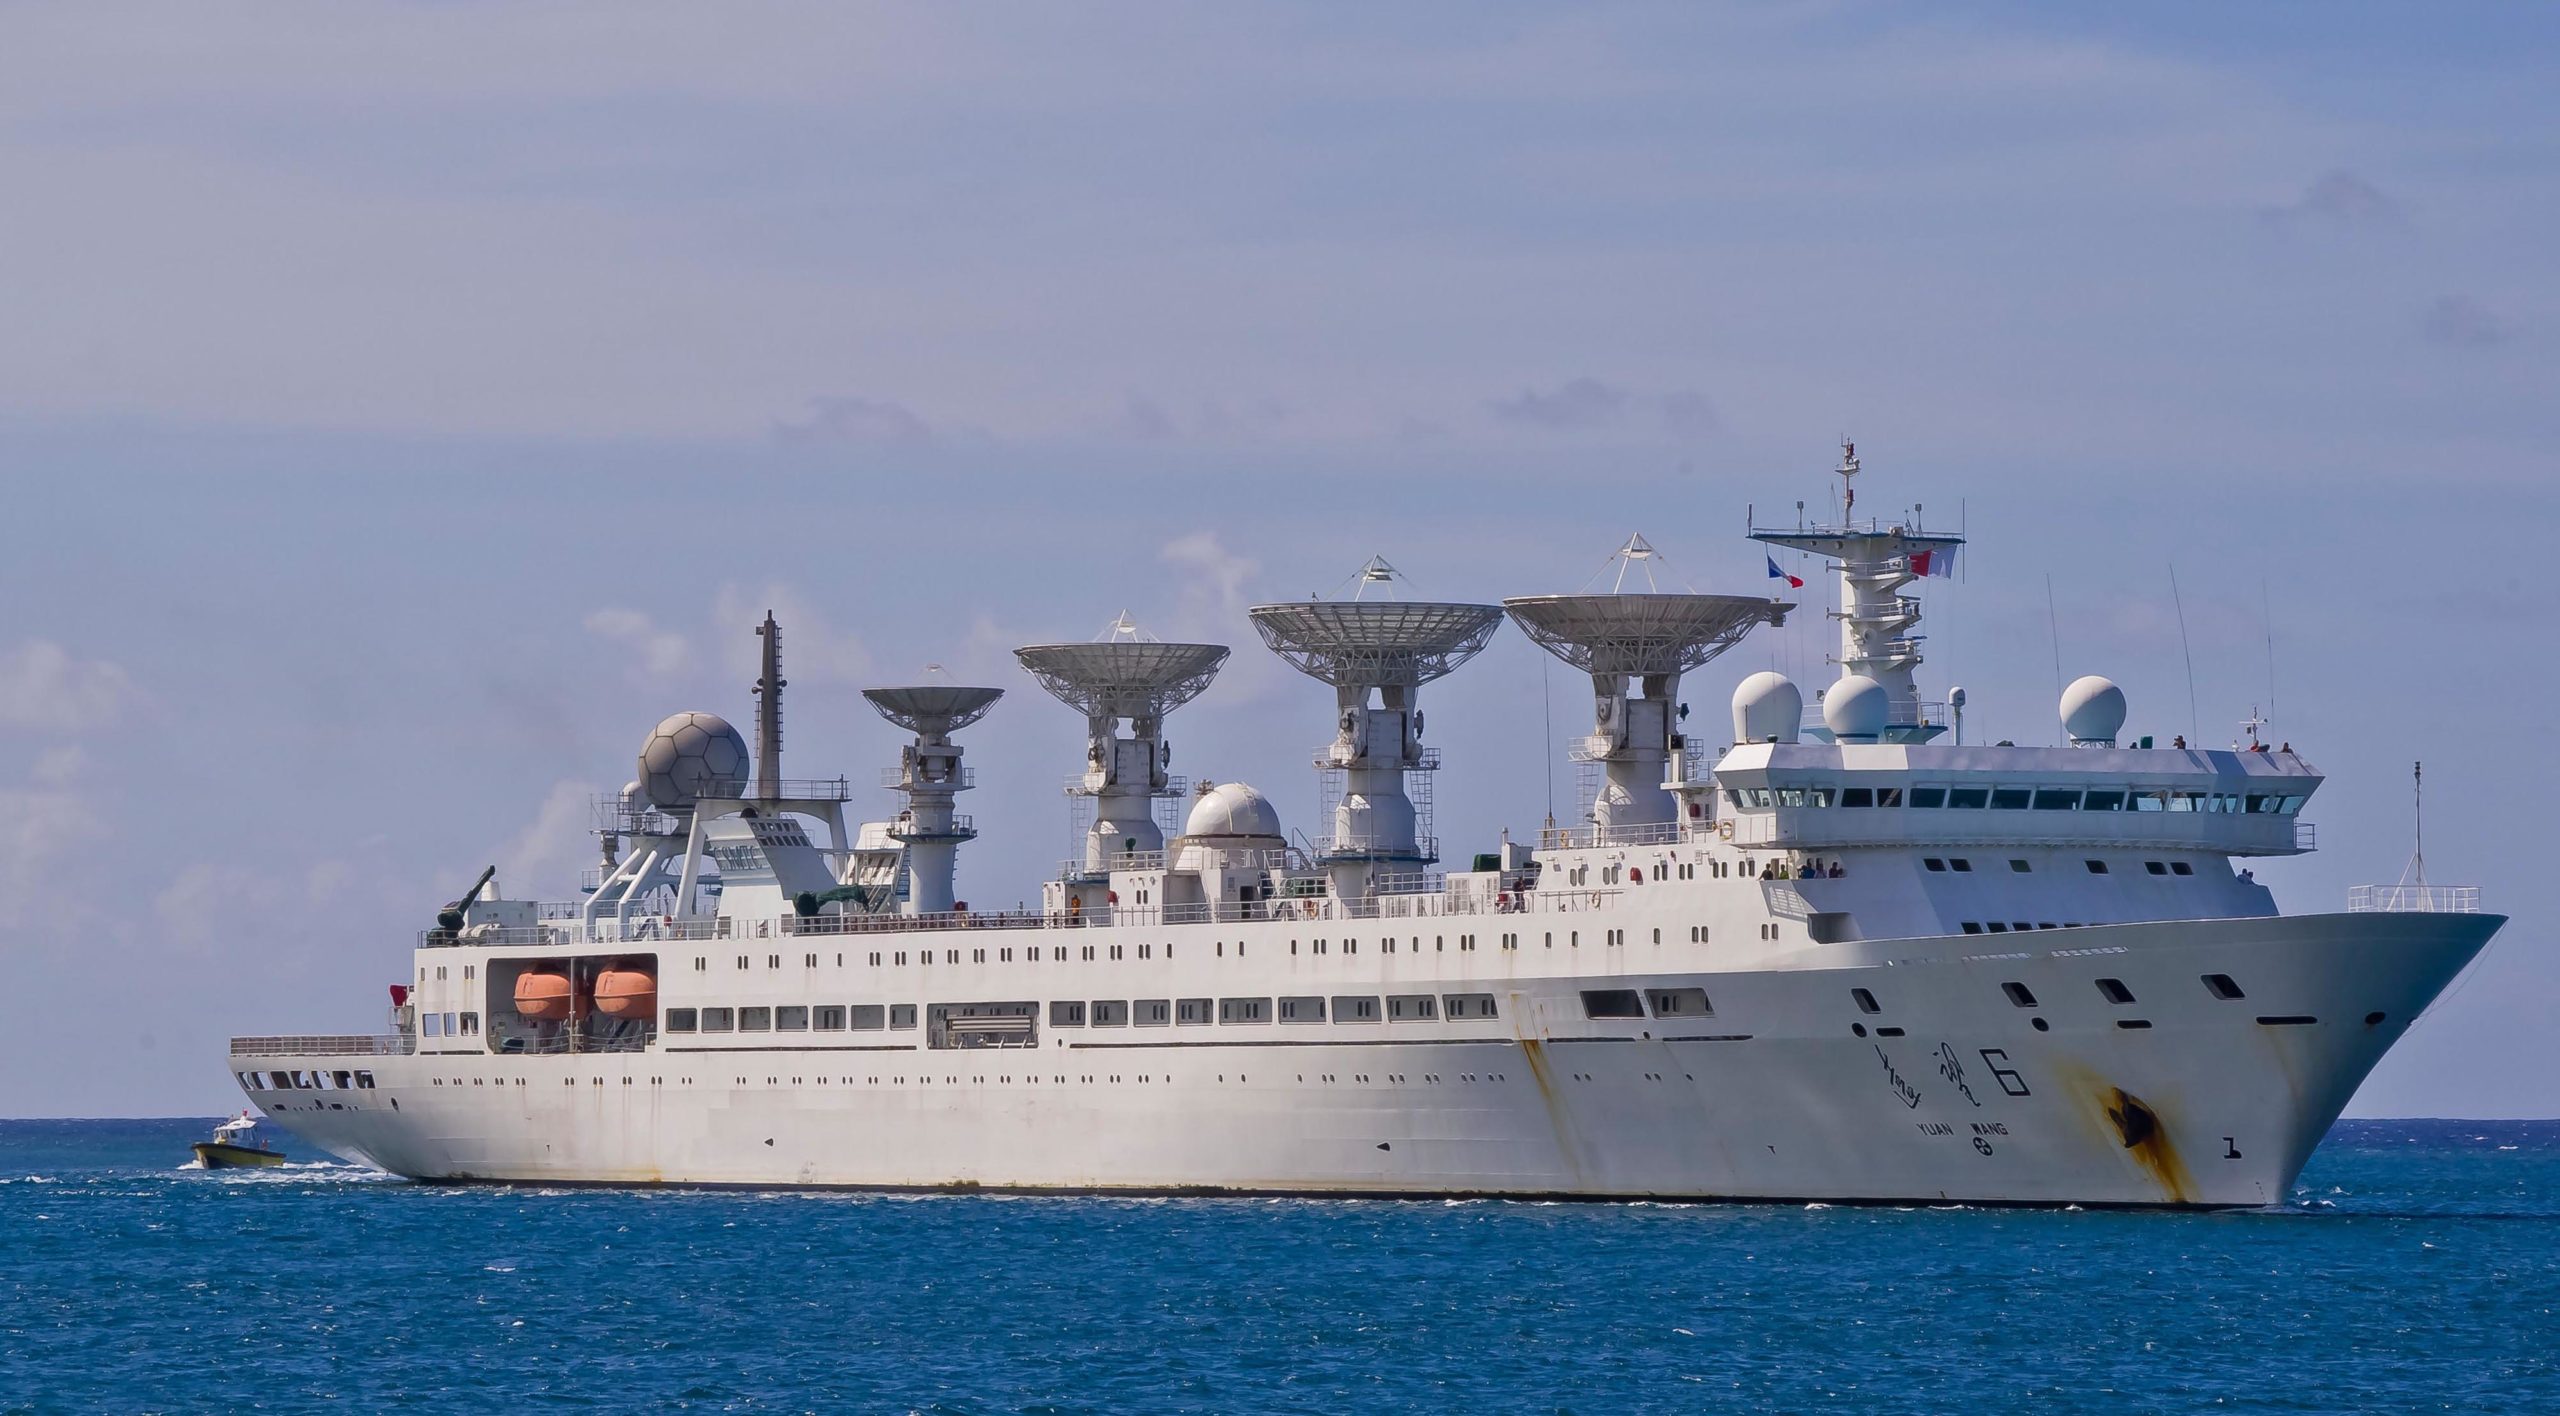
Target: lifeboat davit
{"points": [[627, 993], [543, 997]]}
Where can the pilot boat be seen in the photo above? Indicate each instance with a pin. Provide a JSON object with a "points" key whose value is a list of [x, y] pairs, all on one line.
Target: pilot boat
{"points": [[237, 1144]]}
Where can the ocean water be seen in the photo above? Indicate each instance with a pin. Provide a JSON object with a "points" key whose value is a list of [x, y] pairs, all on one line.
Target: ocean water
{"points": [[2417, 1267]]}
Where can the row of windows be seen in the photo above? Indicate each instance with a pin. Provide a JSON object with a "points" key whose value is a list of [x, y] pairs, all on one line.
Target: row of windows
{"points": [[1995, 798], [1660, 1002], [449, 1024], [306, 1081], [1963, 866], [1100, 1013]]}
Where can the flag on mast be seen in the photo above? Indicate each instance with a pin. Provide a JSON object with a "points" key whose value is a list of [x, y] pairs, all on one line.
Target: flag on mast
{"points": [[1793, 582], [1939, 562]]}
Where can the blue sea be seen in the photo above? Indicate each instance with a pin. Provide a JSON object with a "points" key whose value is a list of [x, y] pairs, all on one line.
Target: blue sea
{"points": [[2417, 1267]]}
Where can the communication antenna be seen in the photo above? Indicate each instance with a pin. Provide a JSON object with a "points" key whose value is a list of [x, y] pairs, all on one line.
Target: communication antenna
{"points": [[2053, 626], [1123, 676], [929, 774], [2267, 615], [1635, 647], [1389, 649], [769, 713], [2195, 723]]}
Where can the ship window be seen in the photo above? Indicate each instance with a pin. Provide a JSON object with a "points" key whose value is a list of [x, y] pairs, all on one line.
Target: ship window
{"points": [[1191, 1012], [2180, 867], [2223, 987], [1817, 796], [2011, 798], [1114, 1012], [1888, 796], [680, 1019], [1972, 927], [831, 1018], [2114, 990], [1469, 1005], [342, 1081], [1997, 927], [869, 1017], [1933, 863], [1151, 1012], [1355, 1010], [755, 1020], [2055, 799], [2156, 867], [1244, 1010], [2020, 867], [1929, 798], [364, 1081], [1790, 796], [1066, 1013], [2186, 801], [1611, 1003], [1866, 1001], [793, 1018], [2019, 994], [2096, 867], [1960, 865], [1968, 798], [1302, 1010], [718, 1019], [1857, 796], [432, 1024], [902, 1015], [2102, 801], [1679, 1002]]}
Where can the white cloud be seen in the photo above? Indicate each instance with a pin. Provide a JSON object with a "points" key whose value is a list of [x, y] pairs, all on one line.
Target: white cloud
{"points": [[58, 765], [542, 860], [207, 903], [661, 653], [42, 686]]}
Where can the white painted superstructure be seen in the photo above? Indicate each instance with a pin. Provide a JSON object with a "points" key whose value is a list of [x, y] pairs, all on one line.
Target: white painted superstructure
{"points": [[1845, 962]]}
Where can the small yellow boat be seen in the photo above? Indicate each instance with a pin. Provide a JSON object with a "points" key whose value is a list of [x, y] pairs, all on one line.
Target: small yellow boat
{"points": [[236, 1143]]}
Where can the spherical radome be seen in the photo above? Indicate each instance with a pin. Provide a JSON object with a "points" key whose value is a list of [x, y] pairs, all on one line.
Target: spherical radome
{"points": [[1232, 809], [1856, 709], [1767, 707], [2092, 711], [686, 754]]}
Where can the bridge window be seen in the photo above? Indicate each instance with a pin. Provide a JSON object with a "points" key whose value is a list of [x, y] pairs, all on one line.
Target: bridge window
{"points": [[1968, 798], [2055, 799], [1928, 798], [1857, 796], [2103, 801], [2011, 798]]}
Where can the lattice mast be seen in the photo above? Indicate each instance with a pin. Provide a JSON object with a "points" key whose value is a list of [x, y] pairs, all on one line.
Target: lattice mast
{"points": [[1635, 645], [1382, 650], [1875, 560], [930, 776], [769, 712], [1123, 676]]}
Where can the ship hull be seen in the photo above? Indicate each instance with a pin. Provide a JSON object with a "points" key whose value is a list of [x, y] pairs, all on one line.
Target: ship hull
{"points": [[1949, 1091]]}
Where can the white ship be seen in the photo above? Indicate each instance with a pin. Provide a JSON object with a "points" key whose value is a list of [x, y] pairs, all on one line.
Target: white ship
{"points": [[1844, 956]]}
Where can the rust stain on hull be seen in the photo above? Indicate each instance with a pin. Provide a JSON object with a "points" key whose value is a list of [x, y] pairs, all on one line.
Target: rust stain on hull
{"points": [[1534, 1053], [2147, 1141]]}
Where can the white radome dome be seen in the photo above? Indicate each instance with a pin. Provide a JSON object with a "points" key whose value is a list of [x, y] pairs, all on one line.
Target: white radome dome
{"points": [[2092, 711], [1856, 709], [1232, 809], [1767, 707], [686, 754]]}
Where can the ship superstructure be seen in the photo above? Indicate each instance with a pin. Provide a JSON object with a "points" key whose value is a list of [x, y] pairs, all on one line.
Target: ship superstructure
{"points": [[1828, 956]]}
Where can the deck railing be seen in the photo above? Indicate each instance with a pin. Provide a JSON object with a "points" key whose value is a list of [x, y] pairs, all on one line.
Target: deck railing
{"points": [[326, 1045], [2413, 899]]}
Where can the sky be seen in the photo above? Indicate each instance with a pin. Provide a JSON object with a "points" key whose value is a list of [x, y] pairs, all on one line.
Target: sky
{"points": [[403, 407]]}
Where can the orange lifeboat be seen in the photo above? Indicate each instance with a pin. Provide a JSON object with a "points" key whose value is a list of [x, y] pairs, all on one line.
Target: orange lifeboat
{"points": [[627, 993], [543, 997]]}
